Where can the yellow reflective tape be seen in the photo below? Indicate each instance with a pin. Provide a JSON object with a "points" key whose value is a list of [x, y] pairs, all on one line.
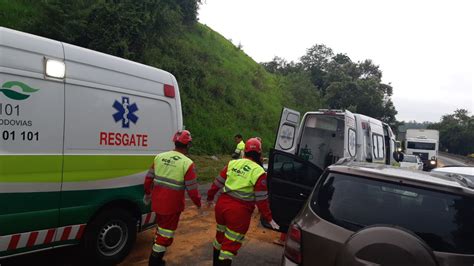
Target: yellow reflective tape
{"points": [[216, 244], [226, 255], [234, 236], [220, 228], [159, 248], [165, 232]]}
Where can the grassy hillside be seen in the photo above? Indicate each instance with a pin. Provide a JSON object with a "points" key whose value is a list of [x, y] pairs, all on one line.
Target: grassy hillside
{"points": [[223, 90]]}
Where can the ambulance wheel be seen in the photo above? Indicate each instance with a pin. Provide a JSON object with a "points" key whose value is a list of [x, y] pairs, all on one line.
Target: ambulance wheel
{"points": [[110, 236]]}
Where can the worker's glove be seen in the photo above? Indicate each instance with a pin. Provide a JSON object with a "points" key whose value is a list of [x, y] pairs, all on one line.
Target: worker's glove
{"points": [[274, 225], [147, 199]]}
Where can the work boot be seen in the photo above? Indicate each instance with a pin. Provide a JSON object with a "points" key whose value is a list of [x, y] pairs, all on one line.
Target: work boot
{"points": [[156, 259], [225, 262], [215, 257]]}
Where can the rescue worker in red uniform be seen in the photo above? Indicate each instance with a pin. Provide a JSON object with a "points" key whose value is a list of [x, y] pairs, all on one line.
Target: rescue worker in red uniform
{"points": [[171, 173], [244, 185]]}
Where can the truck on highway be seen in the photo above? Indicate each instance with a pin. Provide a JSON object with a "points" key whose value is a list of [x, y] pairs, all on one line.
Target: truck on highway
{"points": [[79, 129], [425, 144]]}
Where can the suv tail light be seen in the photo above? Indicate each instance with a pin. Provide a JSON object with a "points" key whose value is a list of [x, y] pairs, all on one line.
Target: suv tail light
{"points": [[293, 244]]}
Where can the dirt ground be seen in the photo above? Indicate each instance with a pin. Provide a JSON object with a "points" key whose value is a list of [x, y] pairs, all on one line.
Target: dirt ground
{"points": [[193, 243]]}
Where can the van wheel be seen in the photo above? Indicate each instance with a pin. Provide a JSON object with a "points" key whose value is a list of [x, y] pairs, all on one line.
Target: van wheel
{"points": [[110, 236]]}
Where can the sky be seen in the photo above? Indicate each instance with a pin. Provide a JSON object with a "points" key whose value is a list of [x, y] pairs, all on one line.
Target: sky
{"points": [[424, 48]]}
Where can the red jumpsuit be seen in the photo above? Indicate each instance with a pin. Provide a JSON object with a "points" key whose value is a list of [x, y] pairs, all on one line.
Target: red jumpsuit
{"points": [[233, 215], [168, 205]]}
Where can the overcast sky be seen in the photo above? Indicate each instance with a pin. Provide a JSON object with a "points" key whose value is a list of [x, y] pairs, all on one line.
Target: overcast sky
{"points": [[424, 48]]}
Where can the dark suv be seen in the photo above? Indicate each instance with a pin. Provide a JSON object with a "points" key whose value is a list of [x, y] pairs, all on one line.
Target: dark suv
{"points": [[370, 214]]}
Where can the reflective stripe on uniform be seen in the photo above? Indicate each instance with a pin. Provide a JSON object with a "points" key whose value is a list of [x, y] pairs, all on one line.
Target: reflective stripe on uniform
{"points": [[234, 236], [261, 195], [169, 183], [220, 228], [216, 244], [168, 180], [170, 186], [191, 187], [220, 179], [218, 182], [235, 194], [190, 182], [240, 195], [159, 248], [165, 232], [226, 255], [260, 198]]}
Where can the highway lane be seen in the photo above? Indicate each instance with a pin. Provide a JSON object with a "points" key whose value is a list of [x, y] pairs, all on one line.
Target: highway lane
{"points": [[444, 161]]}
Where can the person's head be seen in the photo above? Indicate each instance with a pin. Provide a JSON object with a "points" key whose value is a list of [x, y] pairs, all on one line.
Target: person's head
{"points": [[182, 140], [238, 138], [253, 149]]}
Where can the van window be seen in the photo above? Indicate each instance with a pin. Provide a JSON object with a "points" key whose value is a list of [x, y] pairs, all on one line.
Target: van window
{"points": [[294, 170], [421, 145], [378, 146], [351, 139], [444, 221], [287, 136], [322, 140]]}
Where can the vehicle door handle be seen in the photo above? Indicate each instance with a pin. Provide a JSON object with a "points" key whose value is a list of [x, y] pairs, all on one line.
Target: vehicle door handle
{"points": [[303, 195]]}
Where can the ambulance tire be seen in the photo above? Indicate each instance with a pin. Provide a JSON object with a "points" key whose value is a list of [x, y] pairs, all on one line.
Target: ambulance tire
{"points": [[109, 237]]}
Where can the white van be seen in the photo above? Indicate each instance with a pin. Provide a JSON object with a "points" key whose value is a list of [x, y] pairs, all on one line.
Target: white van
{"points": [[303, 150], [325, 136], [78, 131]]}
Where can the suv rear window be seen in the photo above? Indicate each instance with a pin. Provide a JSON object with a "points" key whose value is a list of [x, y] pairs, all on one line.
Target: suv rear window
{"points": [[444, 221]]}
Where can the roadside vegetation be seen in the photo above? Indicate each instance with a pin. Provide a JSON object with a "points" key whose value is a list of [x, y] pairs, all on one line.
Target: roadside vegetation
{"points": [[456, 131], [223, 90], [208, 167]]}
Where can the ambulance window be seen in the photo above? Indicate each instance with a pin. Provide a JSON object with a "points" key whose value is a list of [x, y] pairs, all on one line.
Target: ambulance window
{"points": [[351, 142], [287, 136]]}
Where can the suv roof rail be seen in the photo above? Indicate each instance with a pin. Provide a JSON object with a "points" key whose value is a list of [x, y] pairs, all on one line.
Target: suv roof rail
{"points": [[344, 160], [332, 110]]}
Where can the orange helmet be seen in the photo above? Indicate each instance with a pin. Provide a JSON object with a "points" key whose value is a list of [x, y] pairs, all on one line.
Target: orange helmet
{"points": [[183, 136], [253, 144]]}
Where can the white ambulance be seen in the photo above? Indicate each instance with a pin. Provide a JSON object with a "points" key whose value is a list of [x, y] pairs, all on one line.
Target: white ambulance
{"points": [[303, 150], [78, 131]]}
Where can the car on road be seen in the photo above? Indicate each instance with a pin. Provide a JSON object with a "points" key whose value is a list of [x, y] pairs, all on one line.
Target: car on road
{"points": [[358, 213], [411, 162]]}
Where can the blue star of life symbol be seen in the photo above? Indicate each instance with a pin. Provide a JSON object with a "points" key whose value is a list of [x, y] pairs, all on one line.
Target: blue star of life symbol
{"points": [[125, 112]]}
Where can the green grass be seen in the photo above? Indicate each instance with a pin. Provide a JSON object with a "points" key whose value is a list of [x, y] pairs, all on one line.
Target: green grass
{"points": [[207, 168]]}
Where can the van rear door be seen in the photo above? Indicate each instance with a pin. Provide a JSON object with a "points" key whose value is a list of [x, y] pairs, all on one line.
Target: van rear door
{"points": [[350, 140], [290, 182], [287, 131]]}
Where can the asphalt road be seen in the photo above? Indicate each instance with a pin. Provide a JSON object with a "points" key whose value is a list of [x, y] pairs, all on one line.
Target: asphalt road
{"points": [[444, 161]]}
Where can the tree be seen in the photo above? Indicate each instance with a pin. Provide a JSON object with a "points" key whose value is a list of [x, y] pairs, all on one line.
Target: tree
{"points": [[456, 132]]}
